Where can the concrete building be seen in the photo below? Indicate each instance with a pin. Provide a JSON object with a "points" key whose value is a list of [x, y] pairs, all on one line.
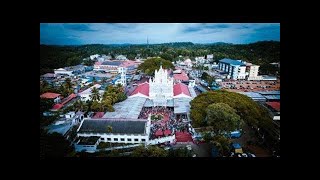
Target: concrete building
{"points": [[132, 131], [236, 69], [107, 66], [253, 71]]}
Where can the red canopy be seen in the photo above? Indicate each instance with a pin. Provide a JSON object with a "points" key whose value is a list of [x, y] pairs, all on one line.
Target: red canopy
{"points": [[159, 132], [167, 132]]}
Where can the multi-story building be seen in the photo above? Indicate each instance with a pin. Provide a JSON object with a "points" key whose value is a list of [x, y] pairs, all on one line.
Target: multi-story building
{"points": [[236, 69], [252, 72]]}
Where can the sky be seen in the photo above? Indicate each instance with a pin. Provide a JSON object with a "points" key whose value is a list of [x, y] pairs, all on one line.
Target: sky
{"points": [[138, 33]]}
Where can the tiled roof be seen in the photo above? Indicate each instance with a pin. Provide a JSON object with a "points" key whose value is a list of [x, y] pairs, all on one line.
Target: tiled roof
{"points": [[183, 76], [274, 105], [142, 89], [49, 95], [57, 106], [180, 88]]}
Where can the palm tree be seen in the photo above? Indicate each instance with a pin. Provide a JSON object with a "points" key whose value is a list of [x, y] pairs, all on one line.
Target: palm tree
{"points": [[109, 130], [95, 94]]}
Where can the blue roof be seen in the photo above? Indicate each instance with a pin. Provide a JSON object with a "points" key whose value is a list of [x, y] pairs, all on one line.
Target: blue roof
{"points": [[231, 61], [236, 145]]}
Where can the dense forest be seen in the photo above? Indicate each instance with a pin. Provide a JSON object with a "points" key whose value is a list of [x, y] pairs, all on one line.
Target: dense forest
{"points": [[262, 53]]}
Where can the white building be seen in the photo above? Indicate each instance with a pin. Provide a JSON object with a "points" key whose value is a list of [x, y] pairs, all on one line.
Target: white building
{"points": [[62, 71], [253, 72], [161, 88], [236, 69], [92, 57], [131, 131], [122, 71], [121, 57]]}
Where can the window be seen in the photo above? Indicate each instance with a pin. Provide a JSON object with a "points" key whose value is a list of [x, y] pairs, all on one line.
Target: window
{"points": [[129, 139], [143, 140], [109, 139], [136, 139], [102, 139], [121, 139], [115, 139]]}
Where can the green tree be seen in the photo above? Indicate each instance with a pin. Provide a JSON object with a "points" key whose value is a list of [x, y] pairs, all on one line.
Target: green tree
{"points": [[222, 144], [53, 145], [95, 95], [150, 65], [150, 151], [222, 118]]}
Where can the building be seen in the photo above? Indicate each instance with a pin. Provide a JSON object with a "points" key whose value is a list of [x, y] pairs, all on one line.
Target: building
{"points": [[63, 125], [236, 69], [92, 57], [107, 66], [70, 71], [180, 77], [48, 76], [252, 72], [85, 95], [132, 131], [63, 102], [123, 81], [54, 96], [274, 108], [121, 57], [87, 144], [160, 88]]}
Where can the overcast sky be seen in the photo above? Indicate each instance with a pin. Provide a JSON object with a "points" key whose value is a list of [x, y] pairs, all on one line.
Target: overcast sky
{"points": [[137, 33]]}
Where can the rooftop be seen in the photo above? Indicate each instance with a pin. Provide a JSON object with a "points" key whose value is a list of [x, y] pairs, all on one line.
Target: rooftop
{"points": [[181, 105], [129, 108], [183, 76], [121, 126], [274, 105], [231, 61], [88, 140], [98, 115], [142, 89], [180, 88], [111, 63], [49, 95]]}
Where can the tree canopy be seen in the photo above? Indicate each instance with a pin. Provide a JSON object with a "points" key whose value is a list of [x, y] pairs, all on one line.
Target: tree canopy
{"points": [[222, 118], [261, 53], [248, 110], [152, 64]]}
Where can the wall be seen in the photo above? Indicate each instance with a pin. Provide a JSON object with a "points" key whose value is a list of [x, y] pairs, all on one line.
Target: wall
{"points": [[119, 136], [162, 140]]}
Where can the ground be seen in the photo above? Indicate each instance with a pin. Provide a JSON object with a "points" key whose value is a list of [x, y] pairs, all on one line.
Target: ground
{"points": [[201, 150], [254, 148]]}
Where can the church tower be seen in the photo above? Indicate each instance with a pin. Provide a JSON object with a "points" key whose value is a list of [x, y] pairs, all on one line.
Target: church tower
{"points": [[161, 88]]}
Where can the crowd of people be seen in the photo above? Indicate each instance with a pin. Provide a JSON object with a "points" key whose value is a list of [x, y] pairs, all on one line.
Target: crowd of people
{"points": [[168, 122]]}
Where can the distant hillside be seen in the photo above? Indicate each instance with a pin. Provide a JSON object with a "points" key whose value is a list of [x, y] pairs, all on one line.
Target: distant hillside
{"points": [[261, 53]]}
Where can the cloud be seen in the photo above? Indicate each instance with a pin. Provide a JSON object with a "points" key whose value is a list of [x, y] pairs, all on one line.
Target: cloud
{"points": [[137, 33], [79, 27]]}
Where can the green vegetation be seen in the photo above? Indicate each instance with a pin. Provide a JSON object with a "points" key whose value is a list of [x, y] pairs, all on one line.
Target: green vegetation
{"points": [[150, 151], [261, 53], [156, 117], [209, 79], [247, 109], [152, 64], [54, 145], [222, 118], [181, 152]]}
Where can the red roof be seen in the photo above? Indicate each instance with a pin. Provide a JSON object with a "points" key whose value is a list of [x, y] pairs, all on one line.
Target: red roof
{"points": [[71, 96], [159, 132], [97, 63], [182, 77], [49, 95], [128, 63], [57, 106], [167, 132], [98, 115], [274, 105], [180, 88], [142, 89]]}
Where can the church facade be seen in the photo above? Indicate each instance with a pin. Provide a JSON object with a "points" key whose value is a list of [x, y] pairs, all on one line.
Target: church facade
{"points": [[160, 88]]}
